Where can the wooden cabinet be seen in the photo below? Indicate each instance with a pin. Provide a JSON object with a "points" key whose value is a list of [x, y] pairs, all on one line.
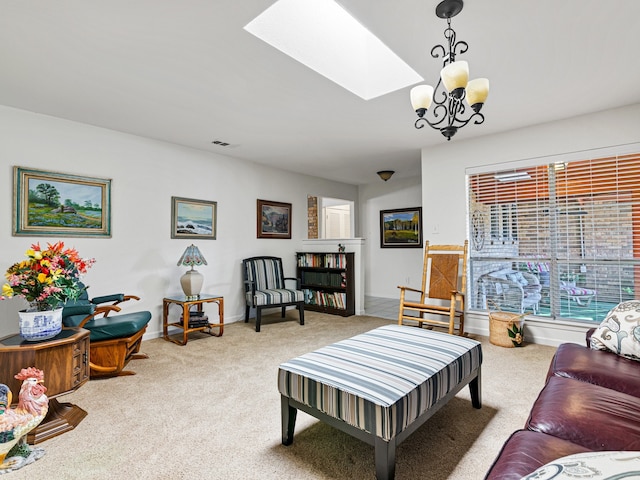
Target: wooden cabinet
{"points": [[327, 281], [65, 362]]}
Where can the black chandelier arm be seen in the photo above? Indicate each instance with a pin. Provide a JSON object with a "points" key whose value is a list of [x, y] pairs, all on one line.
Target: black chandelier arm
{"points": [[454, 47], [479, 118], [440, 116], [437, 51], [440, 95], [448, 118], [439, 111], [421, 121], [456, 107]]}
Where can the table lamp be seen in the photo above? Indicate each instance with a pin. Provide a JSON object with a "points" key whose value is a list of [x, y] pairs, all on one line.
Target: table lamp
{"points": [[192, 280]]}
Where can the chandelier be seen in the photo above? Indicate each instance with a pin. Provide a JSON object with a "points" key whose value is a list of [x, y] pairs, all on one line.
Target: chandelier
{"points": [[454, 85]]}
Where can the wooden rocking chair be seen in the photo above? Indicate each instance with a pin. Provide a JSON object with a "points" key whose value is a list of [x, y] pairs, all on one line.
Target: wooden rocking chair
{"points": [[443, 288], [113, 340]]}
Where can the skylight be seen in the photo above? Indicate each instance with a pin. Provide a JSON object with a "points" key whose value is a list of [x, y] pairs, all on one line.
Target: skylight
{"points": [[326, 38]]}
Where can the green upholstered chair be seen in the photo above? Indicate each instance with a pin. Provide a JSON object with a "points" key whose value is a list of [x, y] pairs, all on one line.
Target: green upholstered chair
{"points": [[265, 287], [113, 340]]}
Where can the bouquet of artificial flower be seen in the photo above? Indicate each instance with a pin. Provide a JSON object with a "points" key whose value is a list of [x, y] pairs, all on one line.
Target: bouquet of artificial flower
{"points": [[47, 278]]}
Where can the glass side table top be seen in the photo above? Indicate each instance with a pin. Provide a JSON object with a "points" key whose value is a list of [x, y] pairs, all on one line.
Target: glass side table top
{"points": [[196, 298]]}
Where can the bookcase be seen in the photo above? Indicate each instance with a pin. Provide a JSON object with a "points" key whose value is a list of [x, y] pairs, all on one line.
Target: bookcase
{"points": [[327, 281]]}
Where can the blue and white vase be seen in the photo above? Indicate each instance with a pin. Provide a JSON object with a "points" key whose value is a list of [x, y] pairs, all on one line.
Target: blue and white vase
{"points": [[35, 326]]}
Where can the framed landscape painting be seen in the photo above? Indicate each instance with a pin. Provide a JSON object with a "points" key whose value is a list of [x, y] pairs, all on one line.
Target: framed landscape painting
{"points": [[60, 204], [401, 228], [192, 218], [274, 219]]}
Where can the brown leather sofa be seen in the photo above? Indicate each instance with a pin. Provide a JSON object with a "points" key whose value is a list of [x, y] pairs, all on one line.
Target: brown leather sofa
{"points": [[590, 402]]}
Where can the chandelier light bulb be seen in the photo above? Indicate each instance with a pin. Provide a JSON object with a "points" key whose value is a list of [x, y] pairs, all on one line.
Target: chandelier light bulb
{"points": [[421, 97], [455, 75], [477, 91]]}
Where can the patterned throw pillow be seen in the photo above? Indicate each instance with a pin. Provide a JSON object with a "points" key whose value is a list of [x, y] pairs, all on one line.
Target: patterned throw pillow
{"points": [[619, 332], [590, 465]]}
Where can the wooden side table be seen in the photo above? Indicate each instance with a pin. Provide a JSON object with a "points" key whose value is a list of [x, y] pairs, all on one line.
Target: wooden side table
{"points": [[186, 303], [64, 360]]}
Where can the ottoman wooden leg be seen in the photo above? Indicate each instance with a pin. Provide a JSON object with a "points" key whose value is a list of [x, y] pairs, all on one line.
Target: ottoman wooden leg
{"points": [[289, 414], [476, 391], [385, 454]]}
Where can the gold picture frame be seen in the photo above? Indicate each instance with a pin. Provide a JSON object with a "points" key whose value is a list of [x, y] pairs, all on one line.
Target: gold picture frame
{"points": [[60, 204]]}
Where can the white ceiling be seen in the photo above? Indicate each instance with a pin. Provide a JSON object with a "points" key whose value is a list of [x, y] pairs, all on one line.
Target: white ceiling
{"points": [[186, 72]]}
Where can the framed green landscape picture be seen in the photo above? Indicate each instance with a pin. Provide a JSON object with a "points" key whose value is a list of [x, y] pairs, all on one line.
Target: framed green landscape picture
{"points": [[401, 228], [60, 204]]}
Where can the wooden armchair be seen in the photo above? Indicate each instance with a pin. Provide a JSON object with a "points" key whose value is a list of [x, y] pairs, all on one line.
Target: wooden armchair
{"points": [[264, 286], [113, 340], [443, 288]]}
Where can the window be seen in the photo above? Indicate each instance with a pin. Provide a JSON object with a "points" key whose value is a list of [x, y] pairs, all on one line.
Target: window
{"points": [[563, 235]]}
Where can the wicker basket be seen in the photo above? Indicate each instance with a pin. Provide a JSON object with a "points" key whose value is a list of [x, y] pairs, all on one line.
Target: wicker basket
{"points": [[506, 329]]}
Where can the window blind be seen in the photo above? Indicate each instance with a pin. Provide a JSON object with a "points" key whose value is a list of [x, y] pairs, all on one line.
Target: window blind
{"points": [[560, 240]]}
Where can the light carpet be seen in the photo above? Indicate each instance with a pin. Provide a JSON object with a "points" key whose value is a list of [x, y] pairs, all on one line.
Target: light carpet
{"points": [[211, 410]]}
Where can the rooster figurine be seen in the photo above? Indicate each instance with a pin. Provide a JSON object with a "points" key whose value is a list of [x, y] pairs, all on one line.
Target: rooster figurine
{"points": [[32, 407]]}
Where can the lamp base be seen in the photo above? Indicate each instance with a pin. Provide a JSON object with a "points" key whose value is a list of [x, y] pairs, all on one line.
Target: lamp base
{"points": [[191, 283]]}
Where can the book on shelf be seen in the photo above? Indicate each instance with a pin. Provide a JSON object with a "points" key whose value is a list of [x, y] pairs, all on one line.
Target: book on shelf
{"points": [[322, 260]]}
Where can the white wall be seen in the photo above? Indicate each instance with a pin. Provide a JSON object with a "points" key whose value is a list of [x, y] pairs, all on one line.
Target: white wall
{"points": [[443, 174], [140, 258], [386, 268]]}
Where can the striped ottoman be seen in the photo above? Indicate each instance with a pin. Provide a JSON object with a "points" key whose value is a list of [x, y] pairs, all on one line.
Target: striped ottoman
{"points": [[379, 386]]}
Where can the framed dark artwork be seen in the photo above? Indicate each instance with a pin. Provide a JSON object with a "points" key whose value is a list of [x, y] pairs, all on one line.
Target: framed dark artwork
{"points": [[60, 204], [274, 219], [192, 218], [401, 228]]}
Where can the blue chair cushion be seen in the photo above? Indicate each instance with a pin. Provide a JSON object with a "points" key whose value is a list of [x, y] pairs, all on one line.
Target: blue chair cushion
{"points": [[103, 328], [75, 311], [118, 326]]}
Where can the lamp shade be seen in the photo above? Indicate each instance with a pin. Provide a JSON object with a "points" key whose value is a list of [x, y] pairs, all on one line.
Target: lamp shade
{"points": [[385, 174], [421, 97], [477, 91], [192, 280], [191, 257], [455, 75]]}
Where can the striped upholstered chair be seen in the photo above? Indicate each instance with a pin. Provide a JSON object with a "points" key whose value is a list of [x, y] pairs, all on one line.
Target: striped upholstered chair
{"points": [[265, 287]]}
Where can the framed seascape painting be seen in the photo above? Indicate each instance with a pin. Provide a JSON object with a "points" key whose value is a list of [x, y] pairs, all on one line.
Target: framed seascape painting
{"points": [[193, 218], [274, 219], [401, 228], [60, 204]]}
